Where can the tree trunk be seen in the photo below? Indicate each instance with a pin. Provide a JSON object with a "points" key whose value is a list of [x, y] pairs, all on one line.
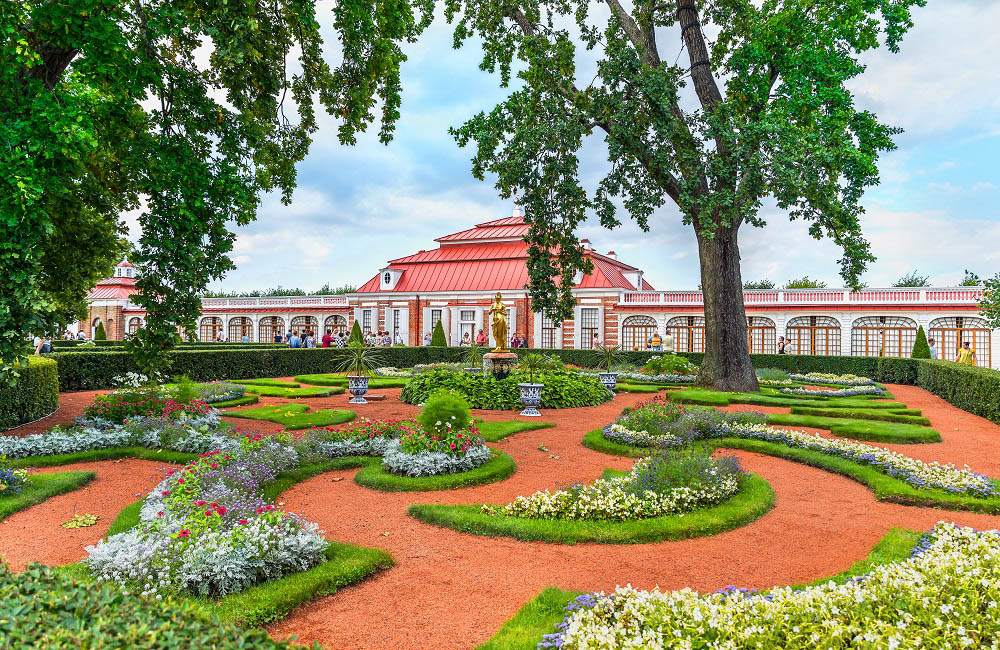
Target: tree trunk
{"points": [[727, 354]]}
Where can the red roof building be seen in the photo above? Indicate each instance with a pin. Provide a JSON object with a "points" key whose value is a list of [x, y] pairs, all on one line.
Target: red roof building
{"points": [[455, 283]]}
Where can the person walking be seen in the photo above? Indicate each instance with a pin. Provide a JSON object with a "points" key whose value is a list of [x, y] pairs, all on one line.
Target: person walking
{"points": [[967, 355], [278, 338], [596, 342], [245, 338], [655, 342], [427, 339], [294, 341], [327, 339], [933, 348]]}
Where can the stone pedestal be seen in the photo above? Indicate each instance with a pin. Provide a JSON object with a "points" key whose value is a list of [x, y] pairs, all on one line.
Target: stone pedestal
{"points": [[501, 364]]}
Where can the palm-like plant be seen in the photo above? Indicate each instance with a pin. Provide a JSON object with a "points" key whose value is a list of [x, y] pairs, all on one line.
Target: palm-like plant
{"points": [[608, 357], [473, 357], [532, 363], [360, 361]]}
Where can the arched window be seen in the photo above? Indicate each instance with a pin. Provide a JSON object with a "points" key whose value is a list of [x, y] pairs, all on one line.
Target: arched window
{"points": [[688, 333], [239, 327], [269, 326], [336, 324], [134, 324], [883, 336], [813, 335], [302, 323], [210, 328], [636, 332], [950, 333], [761, 335], [93, 327]]}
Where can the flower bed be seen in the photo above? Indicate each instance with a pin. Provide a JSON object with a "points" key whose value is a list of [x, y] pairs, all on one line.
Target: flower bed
{"points": [[432, 463], [916, 473], [391, 371], [643, 378], [191, 434], [12, 479], [220, 391], [659, 424], [206, 530], [830, 378], [944, 596], [842, 392], [120, 406], [661, 485], [365, 438]]}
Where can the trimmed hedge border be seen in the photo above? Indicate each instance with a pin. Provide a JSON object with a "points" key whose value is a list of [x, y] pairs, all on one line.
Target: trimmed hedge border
{"points": [[976, 390], [754, 499], [498, 468], [35, 395]]}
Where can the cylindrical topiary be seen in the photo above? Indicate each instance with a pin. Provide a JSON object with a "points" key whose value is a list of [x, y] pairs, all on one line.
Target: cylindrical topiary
{"points": [[921, 350], [437, 338], [35, 395], [99, 333]]}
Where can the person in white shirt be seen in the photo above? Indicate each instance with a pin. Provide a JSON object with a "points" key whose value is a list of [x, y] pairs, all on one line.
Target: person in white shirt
{"points": [[933, 348]]}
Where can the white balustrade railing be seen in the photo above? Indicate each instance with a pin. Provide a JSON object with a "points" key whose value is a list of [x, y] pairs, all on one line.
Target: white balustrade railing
{"points": [[887, 296], [275, 301]]}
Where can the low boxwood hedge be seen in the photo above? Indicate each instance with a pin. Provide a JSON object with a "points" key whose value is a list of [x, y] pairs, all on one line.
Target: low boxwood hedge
{"points": [[35, 395], [976, 390]]}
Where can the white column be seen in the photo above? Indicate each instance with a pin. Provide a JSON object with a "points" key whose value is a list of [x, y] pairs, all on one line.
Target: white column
{"points": [[846, 320], [456, 336], [576, 327]]}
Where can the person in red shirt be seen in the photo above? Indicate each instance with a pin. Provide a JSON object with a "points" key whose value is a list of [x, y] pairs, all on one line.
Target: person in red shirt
{"points": [[327, 339], [481, 339]]}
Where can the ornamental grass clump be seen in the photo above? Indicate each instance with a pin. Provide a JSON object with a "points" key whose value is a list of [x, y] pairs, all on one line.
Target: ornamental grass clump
{"points": [[206, 529], [673, 482], [945, 596]]}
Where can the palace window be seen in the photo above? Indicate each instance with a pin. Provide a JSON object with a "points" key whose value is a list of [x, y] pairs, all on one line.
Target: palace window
{"points": [[435, 318], [883, 336], [688, 333], [467, 324], [239, 327], [269, 327], [589, 326], [950, 333], [302, 323], [336, 324], [134, 324], [813, 335], [761, 335], [636, 332], [210, 328], [549, 333]]}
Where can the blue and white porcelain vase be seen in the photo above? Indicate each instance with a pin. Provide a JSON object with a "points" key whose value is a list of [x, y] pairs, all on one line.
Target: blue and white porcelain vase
{"points": [[531, 397], [357, 386]]}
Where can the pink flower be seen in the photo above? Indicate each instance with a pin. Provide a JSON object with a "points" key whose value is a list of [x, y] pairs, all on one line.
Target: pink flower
{"points": [[180, 480], [159, 514], [243, 522], [452, 445], [184, 533], [170, 473], [260, 510], [220, 510], [165, 493], [214, 465], [208, 513]]}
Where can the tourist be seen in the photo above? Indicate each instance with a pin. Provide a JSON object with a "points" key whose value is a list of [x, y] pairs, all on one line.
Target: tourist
{"points": [[245, 339], [482, 340], [596, 341], [967, 355], [327, 339], [386, 339], [427, 338], [294, 341], [42, 345], [219, 338], [399, 339], [466, 340], [782, 345], [933, 348], [278, 338], [81, 336], [655, 342]]}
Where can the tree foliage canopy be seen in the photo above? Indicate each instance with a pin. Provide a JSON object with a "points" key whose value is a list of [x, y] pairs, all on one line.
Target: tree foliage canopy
{"points": [[805, 282], [755, 105], [183, 110], [989, 304], [912, 279]]}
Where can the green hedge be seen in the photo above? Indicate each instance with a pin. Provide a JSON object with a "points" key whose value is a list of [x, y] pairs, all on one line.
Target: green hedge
{"points": [[976, 390], [35, 395]]}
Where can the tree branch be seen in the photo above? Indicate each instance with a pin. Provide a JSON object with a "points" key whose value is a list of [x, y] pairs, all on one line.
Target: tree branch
{"points": [[705, 85], [644, 40]]}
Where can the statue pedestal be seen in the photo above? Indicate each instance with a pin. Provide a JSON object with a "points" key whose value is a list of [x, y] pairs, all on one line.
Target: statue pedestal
{"points": [[500, 363]]}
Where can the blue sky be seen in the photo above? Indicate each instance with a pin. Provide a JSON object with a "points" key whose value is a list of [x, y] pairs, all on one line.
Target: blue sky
{"points": [[936, 210]]}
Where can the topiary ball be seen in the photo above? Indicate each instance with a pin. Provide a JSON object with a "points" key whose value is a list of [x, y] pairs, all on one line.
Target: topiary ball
{"points": [[443, 408]]}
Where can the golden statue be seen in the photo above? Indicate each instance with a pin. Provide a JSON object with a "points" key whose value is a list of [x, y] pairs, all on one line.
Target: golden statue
{"points": [[498, 323]]}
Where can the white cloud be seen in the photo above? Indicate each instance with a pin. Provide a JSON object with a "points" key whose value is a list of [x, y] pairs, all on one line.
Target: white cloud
{"points": [[983, 187]]}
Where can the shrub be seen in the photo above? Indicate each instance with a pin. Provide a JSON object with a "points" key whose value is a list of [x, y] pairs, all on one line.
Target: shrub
{"points": [[35, 395], [99, 333], [365, 438], [444, 412], [976, 390], [41, 607], [356, 335], [921, 349], [12, 479], [437, 338], [118, 407], [669, 364], [398, 460], [772, 374], [562, 389]]}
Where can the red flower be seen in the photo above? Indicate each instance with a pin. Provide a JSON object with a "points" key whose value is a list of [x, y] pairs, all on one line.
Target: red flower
{"points": [[220, 510], [180, 480], [184, 533], [165, 493], [208, 513], [159, 514], [452, 445], [199, 503], [260, 510], [243, 522], [170, 473]]}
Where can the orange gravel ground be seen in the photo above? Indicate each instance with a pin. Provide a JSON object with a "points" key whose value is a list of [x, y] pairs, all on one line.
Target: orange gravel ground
{"points": [[452, 590]]}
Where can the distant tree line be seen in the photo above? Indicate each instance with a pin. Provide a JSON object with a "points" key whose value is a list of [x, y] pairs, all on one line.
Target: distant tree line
{"points": [[911, 279], [325, 290]]}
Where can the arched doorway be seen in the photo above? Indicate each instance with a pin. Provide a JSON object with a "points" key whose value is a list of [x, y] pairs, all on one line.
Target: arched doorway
{"points": [[814, 335], [336, 324], [210, 328], [950, 333], [268, 327], [302, 323], [761, 335], [688, 333], [883, 336], [134, 324], [239, 327], [636, 331], [93, 327]]}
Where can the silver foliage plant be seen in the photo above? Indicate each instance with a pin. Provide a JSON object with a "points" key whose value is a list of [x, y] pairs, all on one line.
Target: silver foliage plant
{"points": [[432, 463]]}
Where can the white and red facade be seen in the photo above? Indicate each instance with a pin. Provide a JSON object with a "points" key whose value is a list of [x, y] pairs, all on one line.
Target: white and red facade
{"points": [[455, 284]]}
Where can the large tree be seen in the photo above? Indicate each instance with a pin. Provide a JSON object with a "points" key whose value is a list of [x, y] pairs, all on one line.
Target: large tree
{"points": [[184, 110], [711, 105]]}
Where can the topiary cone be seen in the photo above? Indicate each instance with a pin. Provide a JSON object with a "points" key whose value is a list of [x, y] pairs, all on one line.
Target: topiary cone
{"points": [[437, 338], [356, 336], [921, 350]]}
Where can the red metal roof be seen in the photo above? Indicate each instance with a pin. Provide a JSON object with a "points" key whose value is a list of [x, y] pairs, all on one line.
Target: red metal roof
{"points": [[499, 251], [506, 221], [112, 289], [511, 232]]}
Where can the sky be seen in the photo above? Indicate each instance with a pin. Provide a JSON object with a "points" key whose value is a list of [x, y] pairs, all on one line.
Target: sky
{"points": [[937, 209]]}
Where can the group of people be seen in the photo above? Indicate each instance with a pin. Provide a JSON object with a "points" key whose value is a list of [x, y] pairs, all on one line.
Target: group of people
{"points": [[656, 342], [331, 339], [966, 353], [483, 340]]}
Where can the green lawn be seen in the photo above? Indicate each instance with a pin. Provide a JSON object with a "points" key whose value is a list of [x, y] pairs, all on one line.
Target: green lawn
{"points": [[753, 500], [291, 392], [294, 416], [494, 431], [772, 398], [41, 487], [902, 416], [337, 379], [541, 614], [280, 383], [859, 429], [163, 455]]}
